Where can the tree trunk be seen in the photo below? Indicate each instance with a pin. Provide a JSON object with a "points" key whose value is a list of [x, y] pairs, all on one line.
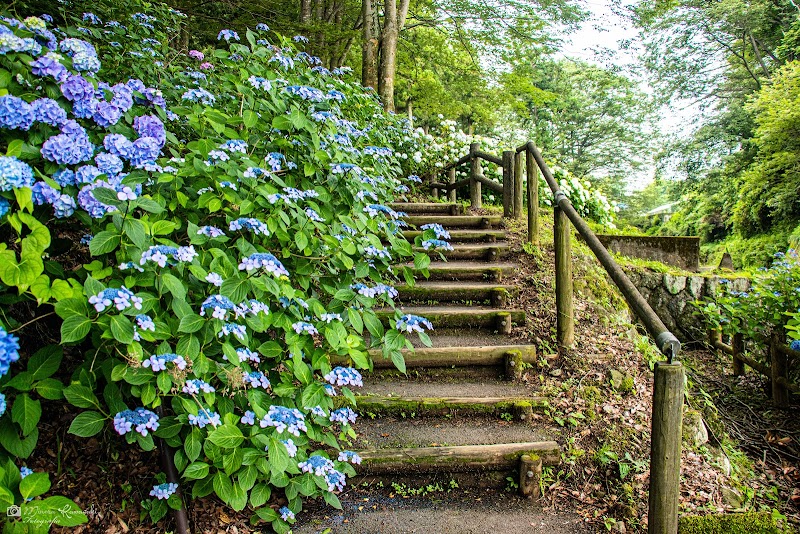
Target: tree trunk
{"points": [[394, 20], [410, 110], [369, 48], [305, 11]]}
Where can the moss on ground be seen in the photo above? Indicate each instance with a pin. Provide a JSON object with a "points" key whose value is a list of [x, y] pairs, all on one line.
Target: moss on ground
{"points": [[747, 523]]}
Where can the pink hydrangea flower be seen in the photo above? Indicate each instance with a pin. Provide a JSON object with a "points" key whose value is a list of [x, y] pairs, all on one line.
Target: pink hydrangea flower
{"points": [[196, 54], [206, 66]]}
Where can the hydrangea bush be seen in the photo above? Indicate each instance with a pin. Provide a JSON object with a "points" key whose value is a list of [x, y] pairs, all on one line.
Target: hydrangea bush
{"points": [[238, 237], [771, 305]]}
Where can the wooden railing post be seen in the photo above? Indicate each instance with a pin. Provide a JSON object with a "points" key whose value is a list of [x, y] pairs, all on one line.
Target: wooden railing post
{"points": [[518, 185], [474, 171], [532, 176], [451, 179], [565, 323], [434, 190], [779, 367], [737, 343], [665, 448], [508, 183]]}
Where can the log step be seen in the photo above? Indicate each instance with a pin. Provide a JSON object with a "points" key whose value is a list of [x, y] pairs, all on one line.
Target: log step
{"points": [[449, 317], [473, 251], [466, 270], [497, 294], [502, 456], [391, 405], [438, 208], [450, 356], [465, 236], [460, 221]]}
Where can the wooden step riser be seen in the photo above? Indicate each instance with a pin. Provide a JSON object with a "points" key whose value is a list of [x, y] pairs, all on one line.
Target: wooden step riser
{"points": [[503, 457], [497, 321], [521, 409], [460, 221], [479, 273], [490, 253], [498, 297], [438, 357], [460, 236], [424, 209]]}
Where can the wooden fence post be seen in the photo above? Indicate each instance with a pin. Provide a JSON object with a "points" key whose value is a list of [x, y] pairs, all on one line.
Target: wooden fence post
{"points": [[737, 343], [565, 323], [518, 185], [508, 183], [533, 198], [475, 170], [451, 178], [779, 367], [665, 448]]}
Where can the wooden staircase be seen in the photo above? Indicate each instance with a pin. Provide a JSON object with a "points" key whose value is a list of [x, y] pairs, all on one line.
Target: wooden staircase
{"points": [[460, 414]]}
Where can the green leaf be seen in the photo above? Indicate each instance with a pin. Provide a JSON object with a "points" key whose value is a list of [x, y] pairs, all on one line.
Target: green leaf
{"points": [[355, 320], [226, 436], [235, 288], [250, 118], [332, 500], [24, 196], [174, 286], [196, 470], [107, 196], [148, 204], [80, 396], [191, 323], [259, 495], [373, 324], [45, 362], [193, 444], [223, 486], [135, 231], [122, 329], [26, 412], [50, 389], [421, 261], [399, 361], [34, 485], [104, 242], [238, 498], [87, 424], [11, 441], [75, 328], [65, 512]]}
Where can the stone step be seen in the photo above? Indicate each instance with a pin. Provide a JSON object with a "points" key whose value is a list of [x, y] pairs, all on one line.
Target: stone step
{"points": [[461, 221], [454, 459], [520, 407], [445, 291], [430, 208], [467, 270], [486, 317], [451, 356], [473, 251], [465, 236]]}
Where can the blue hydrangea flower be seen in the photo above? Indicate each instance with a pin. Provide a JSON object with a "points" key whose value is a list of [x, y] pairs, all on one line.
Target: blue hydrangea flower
{"points": [[214, 279], [49, 65], [330, 317], [245, 355], [64, 177], [158, 362], [256, 379], [25, 471], [438, 229], [64, 206], [265, 261], [150, 126], [14, 174], [9, 352], [199, 95], [140, 419], [343, 415], [44, 194], [349, 456], [795, 345], [304, 327], [195, 385], [374, 292], [255, 172], [4, 207], [219, 305], [2, 404], [15, 113], [373, 252], [291, 448], [88, 202], [254, 225], [286, 514], [121, 298], [237, 330], [48, 111], [412, 323], [284, 419], [205, 418], [436, 244], [210, 231], [70, 147], [374, 209], [109, 164], [262, 27], [227, 35], [249, 418], [312, 94], [344, 376], [164, 491], [260, 83]]}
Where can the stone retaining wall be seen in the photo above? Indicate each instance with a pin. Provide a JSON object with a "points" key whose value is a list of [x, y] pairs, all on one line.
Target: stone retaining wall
{"points": [[680, 252], [670, 296]]}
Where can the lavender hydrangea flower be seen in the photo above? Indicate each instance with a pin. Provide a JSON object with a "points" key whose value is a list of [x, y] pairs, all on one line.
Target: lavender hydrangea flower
{"points": [[256, 379], [48, 111], [121, 298], [204, 418], [140, 419], [219, 305], [15, 113], [164, 491], [265, 261], [254, 225], [344, 376], [413, 323], [284, 419]]}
